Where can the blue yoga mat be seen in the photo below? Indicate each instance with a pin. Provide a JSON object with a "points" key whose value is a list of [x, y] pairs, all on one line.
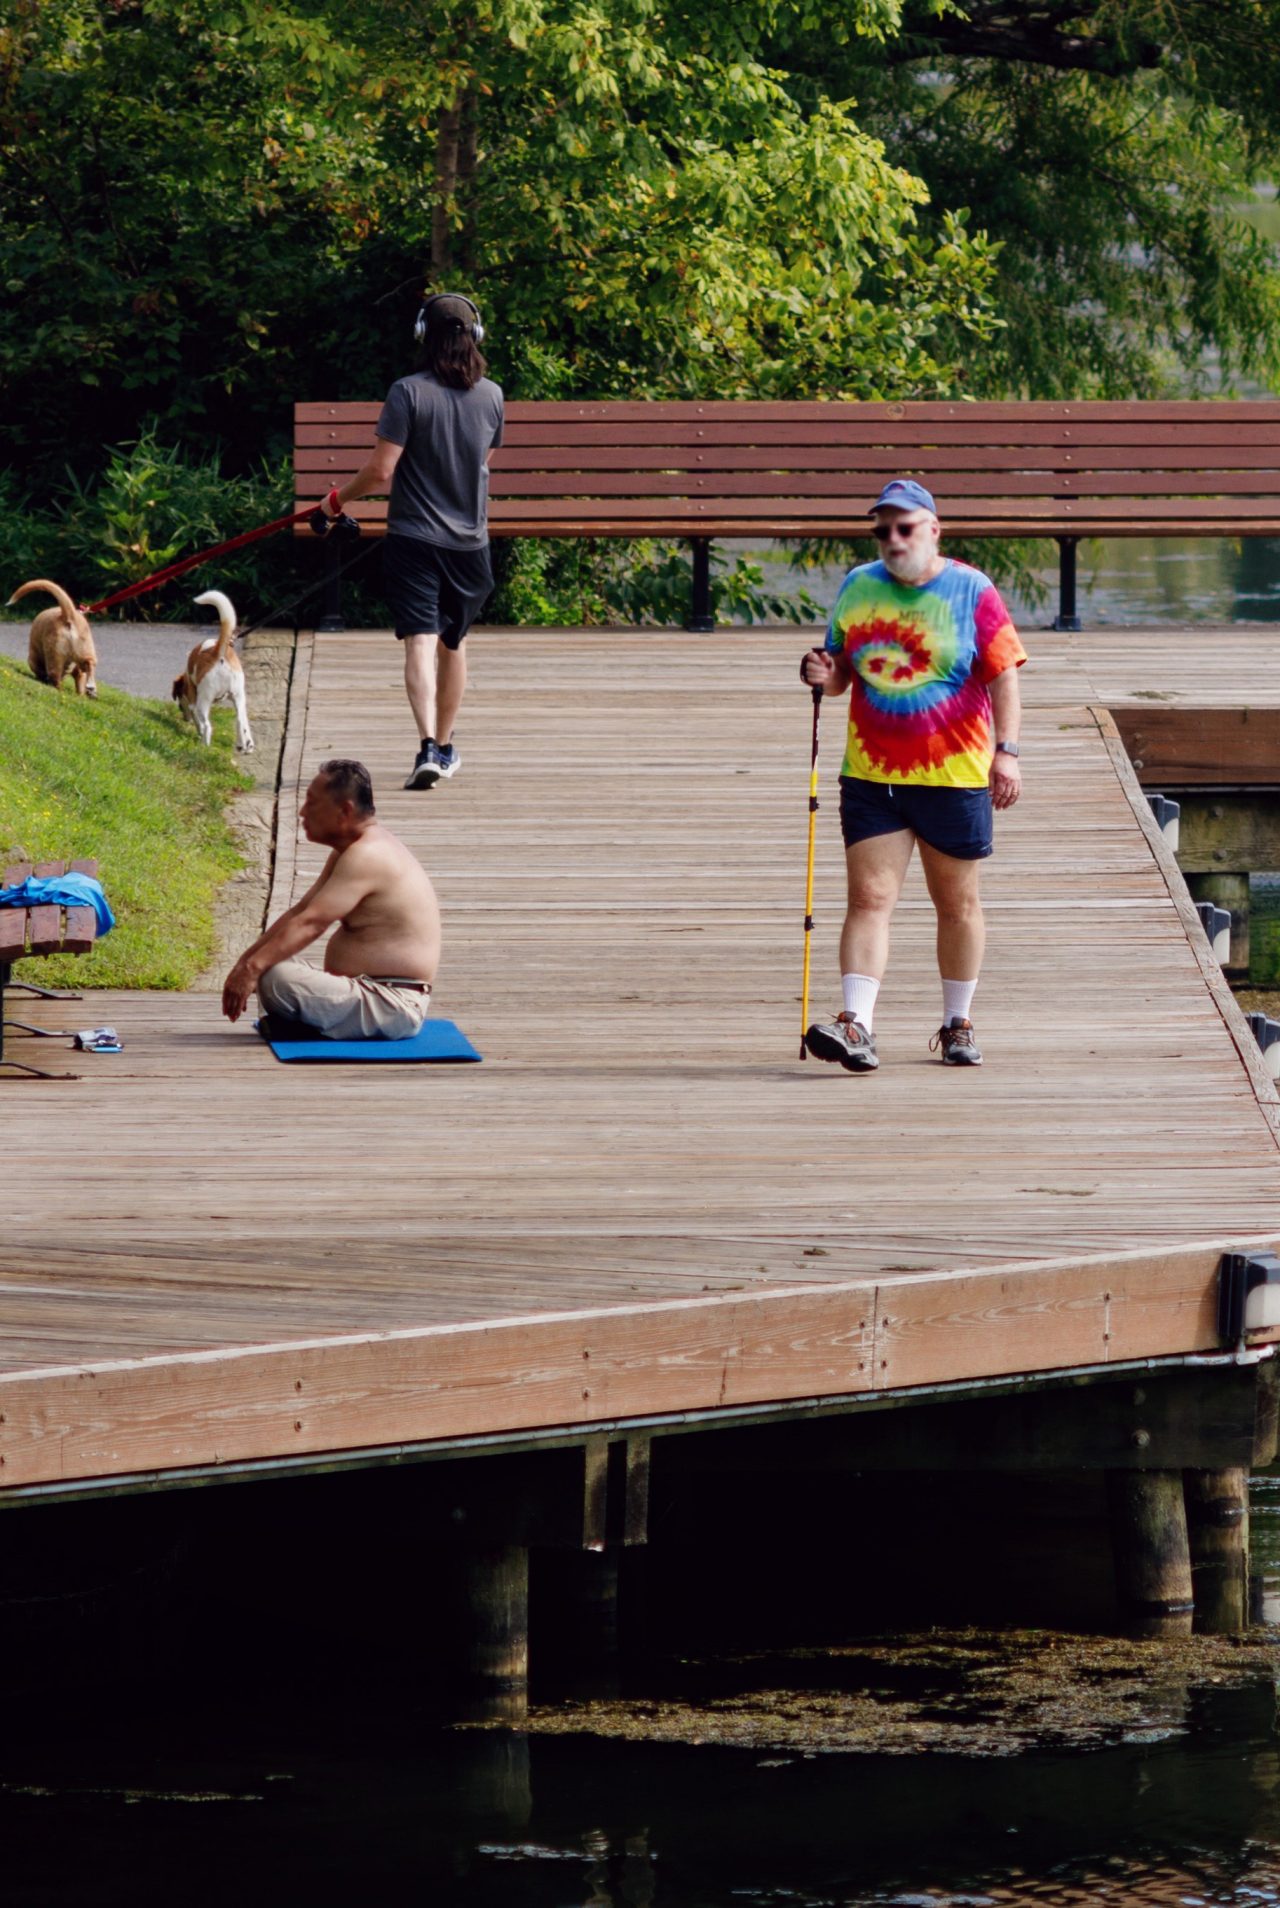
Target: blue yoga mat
{"points": [[434, 1040]]}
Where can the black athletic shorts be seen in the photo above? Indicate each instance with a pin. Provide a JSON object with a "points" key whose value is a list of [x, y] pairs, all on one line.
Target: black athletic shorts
{"points": [[955, 821], [431, 589]]}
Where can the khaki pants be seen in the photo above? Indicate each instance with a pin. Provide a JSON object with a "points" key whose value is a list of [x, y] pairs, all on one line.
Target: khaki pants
{"points": [[341, 1008]]}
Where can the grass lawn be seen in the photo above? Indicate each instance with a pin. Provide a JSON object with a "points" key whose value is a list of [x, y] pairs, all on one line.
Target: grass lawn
{"points": [[124, 780]]}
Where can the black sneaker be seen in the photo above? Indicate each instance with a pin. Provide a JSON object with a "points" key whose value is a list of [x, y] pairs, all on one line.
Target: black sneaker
{"points": [[426, 767], [845, 1040], [959, 1044], [448, 761]]}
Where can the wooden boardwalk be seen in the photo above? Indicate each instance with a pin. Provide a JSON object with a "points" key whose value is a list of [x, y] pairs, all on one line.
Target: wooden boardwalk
{"points": [[643, 1202]]}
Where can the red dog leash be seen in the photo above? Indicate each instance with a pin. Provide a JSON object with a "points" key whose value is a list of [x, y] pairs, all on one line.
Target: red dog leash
{"points": [[167, 574]]}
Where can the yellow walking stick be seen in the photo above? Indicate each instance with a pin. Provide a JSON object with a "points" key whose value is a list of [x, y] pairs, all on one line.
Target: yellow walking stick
{"points": [[808, 880]]}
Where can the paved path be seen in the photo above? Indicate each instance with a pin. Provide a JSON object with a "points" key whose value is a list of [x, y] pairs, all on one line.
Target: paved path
{"points": [[143, 658]]}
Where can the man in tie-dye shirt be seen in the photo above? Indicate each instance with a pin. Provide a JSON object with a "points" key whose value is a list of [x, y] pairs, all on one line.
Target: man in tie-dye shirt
{"points": [[930, 658]]}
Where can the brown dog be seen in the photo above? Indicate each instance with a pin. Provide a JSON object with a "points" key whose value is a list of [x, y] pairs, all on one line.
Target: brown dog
{"points": [[61, 642]]}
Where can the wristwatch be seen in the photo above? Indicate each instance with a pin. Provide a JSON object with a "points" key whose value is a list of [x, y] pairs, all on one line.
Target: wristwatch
{"points": [[1006, 748]]}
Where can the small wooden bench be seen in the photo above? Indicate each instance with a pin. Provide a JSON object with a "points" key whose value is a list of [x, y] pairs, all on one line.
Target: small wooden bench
{"points": [[25, 932], [1190, 468]]}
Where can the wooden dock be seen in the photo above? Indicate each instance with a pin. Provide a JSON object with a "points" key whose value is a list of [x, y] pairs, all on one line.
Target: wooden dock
{"points": [[643, 1203]]}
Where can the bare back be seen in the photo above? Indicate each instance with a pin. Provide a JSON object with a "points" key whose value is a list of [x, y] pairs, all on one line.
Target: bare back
{"points": [[390, 923]]}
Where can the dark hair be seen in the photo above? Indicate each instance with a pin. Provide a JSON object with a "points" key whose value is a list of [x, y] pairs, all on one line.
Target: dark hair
{"points": [[449, 352], [349, 781]]}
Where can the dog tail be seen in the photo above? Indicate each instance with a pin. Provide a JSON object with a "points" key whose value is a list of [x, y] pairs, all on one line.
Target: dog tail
{"points": [[65, 604], [226, 620]]}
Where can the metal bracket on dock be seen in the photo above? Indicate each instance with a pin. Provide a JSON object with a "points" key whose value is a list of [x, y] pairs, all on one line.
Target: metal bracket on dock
{"points": [[1248, 1295], [615, 1492], [1216, 923], [1168, 816]]}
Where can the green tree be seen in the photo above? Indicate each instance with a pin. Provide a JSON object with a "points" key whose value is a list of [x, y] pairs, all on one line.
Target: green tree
{"points": [[1110, 151], [209, 209]]}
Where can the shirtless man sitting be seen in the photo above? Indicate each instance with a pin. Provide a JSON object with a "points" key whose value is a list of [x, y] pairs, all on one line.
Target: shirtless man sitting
{"points": [[379, 966]]}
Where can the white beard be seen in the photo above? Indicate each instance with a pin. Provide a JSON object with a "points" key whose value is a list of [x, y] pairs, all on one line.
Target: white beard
{"points": [[912, 565]]}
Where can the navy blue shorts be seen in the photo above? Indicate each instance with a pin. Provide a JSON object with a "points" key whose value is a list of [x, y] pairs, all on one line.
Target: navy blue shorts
{"points": [[955, 821], [431, 588]]}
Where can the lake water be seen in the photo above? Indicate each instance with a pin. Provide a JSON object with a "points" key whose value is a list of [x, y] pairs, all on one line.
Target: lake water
{"points": [[275, 1806], [1133, 581]]}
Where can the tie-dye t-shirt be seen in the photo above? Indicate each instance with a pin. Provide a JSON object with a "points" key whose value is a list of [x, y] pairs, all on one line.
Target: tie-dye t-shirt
{"points": [[920, 659]]}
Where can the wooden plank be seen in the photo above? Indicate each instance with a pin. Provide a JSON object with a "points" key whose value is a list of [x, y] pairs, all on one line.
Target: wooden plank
{"points": [[1210, 435], [13, 921], [1202, 747], [512, 1375], [45, 930], [1264, 1087], [1013, 411], [81, 930], [788, 485], [512, 456]]}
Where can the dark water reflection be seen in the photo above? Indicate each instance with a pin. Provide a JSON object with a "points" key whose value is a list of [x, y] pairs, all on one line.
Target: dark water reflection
{"points": [[493, 1820], [100, 1806]]}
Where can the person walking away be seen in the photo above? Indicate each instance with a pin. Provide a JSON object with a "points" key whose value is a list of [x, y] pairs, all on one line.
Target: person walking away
{"points": [[930, 657], [434, 436]]}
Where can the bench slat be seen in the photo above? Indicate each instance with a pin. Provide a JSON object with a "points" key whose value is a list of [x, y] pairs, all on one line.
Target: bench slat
{"points": [[13, 921], [690, 510], [850, 485], [914, 411], [330, 461], [1227, 433], [81, 930], [45, 929]]}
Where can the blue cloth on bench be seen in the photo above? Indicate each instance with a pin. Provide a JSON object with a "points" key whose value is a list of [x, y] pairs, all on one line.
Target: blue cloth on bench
{"points": [[63, 891], [295, 1040]]}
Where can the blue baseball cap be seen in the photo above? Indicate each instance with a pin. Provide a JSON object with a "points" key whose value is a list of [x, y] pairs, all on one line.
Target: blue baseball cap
{"points": [[904, 493]]}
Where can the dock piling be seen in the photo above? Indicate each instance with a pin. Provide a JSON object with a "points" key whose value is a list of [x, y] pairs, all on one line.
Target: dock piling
{"points": [[493, 1585], [1152, 1550], [1218, 1529]]}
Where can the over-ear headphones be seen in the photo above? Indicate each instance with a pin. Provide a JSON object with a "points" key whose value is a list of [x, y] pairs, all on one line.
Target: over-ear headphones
{"points": [[420, 324]]}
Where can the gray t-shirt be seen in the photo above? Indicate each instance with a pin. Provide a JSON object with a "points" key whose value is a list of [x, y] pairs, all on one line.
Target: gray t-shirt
{"points": [[440, 491]]}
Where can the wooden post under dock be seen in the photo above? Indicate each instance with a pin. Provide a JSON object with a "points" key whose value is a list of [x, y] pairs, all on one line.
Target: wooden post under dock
{"points": [[493, 1637], [1218, 1529], [1152, 1552]]}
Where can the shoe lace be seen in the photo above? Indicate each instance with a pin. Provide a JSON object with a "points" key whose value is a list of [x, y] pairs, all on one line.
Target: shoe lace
{"points": [[951, 1037]]}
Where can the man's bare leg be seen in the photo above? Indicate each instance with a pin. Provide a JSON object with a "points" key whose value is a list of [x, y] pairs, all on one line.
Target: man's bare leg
{"points": [[876, 870], [962, 937], [420, 681], [451, 681]]}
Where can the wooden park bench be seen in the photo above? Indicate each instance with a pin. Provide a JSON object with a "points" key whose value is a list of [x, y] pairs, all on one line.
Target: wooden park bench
{"points": [[26, 932], [706, 470]]}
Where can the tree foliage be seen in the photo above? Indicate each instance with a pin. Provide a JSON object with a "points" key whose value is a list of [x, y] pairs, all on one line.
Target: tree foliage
{"points": [[1109, 150], [209, 208]]}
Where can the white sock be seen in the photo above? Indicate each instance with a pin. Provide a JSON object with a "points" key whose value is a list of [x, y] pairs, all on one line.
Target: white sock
{"points": [[957, 999], [860, 997]]}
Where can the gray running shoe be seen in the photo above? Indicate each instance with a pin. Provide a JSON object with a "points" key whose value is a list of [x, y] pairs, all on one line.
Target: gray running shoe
{"points": [[845, 1040], [448, 761], [959, 1044]]}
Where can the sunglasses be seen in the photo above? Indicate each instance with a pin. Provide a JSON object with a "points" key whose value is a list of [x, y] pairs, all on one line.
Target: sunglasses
{"points": [[883, 531]]}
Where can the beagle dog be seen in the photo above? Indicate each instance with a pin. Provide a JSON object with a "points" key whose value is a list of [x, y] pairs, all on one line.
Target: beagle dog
{"points": [[214, 673], [61, 642]]}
